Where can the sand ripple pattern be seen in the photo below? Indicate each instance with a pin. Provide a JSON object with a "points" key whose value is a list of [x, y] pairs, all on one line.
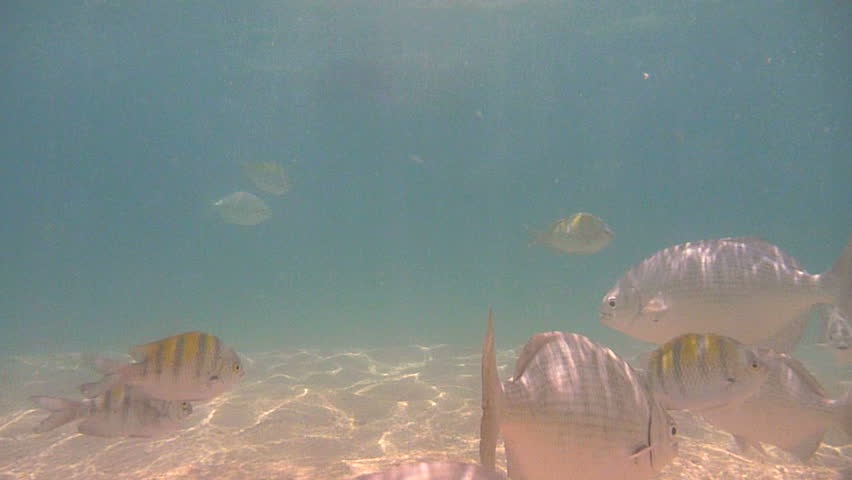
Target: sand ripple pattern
{"points": [[310, 414]]}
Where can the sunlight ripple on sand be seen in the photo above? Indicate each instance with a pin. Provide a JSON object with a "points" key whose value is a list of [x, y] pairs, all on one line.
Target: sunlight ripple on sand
{"points": [[309, 414]]}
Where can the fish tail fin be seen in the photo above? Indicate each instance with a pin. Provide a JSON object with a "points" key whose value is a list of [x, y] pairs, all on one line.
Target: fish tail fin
{"points": [[491, 394], [62, 411], [536, 237], [841, 272]]}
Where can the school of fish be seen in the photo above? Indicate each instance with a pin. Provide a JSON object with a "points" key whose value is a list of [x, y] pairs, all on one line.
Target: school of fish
{"points": [[725, 314]]}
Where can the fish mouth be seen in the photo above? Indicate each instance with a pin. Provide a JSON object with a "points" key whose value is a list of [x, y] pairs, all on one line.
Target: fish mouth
{"points": [[605, 317]]}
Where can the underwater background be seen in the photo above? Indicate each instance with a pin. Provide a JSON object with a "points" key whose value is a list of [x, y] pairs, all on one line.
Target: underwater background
{"points": [[422, 139], [425, 142]]}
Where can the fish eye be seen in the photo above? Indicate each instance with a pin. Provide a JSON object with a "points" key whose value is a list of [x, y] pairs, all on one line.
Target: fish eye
{"points": [[611, 302], [674, 430], [237, 367], [754, 364]]}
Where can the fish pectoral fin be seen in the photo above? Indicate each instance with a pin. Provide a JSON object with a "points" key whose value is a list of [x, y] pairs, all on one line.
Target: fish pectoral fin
{"points": [[656, 304], [640, 451], [743, 443]]}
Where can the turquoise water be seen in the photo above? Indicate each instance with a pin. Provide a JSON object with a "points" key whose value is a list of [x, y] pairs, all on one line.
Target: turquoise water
{"points": [[422, 139]]}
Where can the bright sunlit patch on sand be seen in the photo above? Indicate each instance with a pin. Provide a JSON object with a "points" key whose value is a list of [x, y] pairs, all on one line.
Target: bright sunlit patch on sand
{"points": [[310, 415]]}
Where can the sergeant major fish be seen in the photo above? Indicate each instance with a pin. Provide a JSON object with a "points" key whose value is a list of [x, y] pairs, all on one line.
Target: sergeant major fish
{"points": [[743, 288], [268, 176], [701, 371], [242, 208], [790, 410], [120, 411], [573, 410], [187, 366], [580, 233]]}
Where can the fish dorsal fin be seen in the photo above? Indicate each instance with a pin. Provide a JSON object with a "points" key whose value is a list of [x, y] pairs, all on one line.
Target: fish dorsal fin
{"points": [[492, 393], [140, 353], [581, 220], [534, 344]]}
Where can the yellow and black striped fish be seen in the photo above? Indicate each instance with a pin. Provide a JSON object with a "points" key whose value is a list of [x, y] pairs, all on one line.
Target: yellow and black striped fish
{"points": [[119, 411], [699, 371], [187, 366]]}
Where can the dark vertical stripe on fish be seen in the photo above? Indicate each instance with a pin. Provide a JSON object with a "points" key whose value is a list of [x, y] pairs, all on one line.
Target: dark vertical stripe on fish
{"points": [[107, 400], [202, 354], [678, 357], [125, 406], [158, 360], [178, 358]]}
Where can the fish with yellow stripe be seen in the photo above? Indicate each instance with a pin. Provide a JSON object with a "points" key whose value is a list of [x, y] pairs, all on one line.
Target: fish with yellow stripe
{"points": [[581, 233], [120, 411], [193, 366], [703, 371]]}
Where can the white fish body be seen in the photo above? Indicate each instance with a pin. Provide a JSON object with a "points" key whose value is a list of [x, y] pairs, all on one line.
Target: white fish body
{"points": [[193, 366], [242, 208], [121, 411], [836, 333], [743, 288], [269, 177], [790, 410], [433, 471], [573, 410], [579, 233], [703, 371]]}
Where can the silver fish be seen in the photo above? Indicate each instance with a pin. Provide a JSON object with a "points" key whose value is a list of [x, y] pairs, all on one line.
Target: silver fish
{"points": [[269, 177], [433, 471], [579, 233], [743, 288], [572, 410], [187, 366], [836, 333], [790, 410], [700, 371], [121, 411], [242, 208]]}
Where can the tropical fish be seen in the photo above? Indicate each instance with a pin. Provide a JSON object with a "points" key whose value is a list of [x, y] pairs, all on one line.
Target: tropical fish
{"points": [[187, 366], [790, 410], [573, 409], [836, 333], [121, 411], [269, 177], [579, 233], [242, 208], [433, 471], [743, 288], [700, 371]]}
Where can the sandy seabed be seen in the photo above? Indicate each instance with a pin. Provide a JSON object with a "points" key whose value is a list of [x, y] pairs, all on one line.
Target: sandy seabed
{"points": [[310, 414]]}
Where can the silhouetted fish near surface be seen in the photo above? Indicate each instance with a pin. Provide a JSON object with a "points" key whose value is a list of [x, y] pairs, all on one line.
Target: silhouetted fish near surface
{"points": [[121, 411], [572, 410], [242, 208], [433, 471], [743, 288], [187, 366], [790, 410], [579, 233], [700, 371]]}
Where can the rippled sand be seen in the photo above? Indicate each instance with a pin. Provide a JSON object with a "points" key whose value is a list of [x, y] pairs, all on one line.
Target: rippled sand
{"points": [[315, 415]]}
